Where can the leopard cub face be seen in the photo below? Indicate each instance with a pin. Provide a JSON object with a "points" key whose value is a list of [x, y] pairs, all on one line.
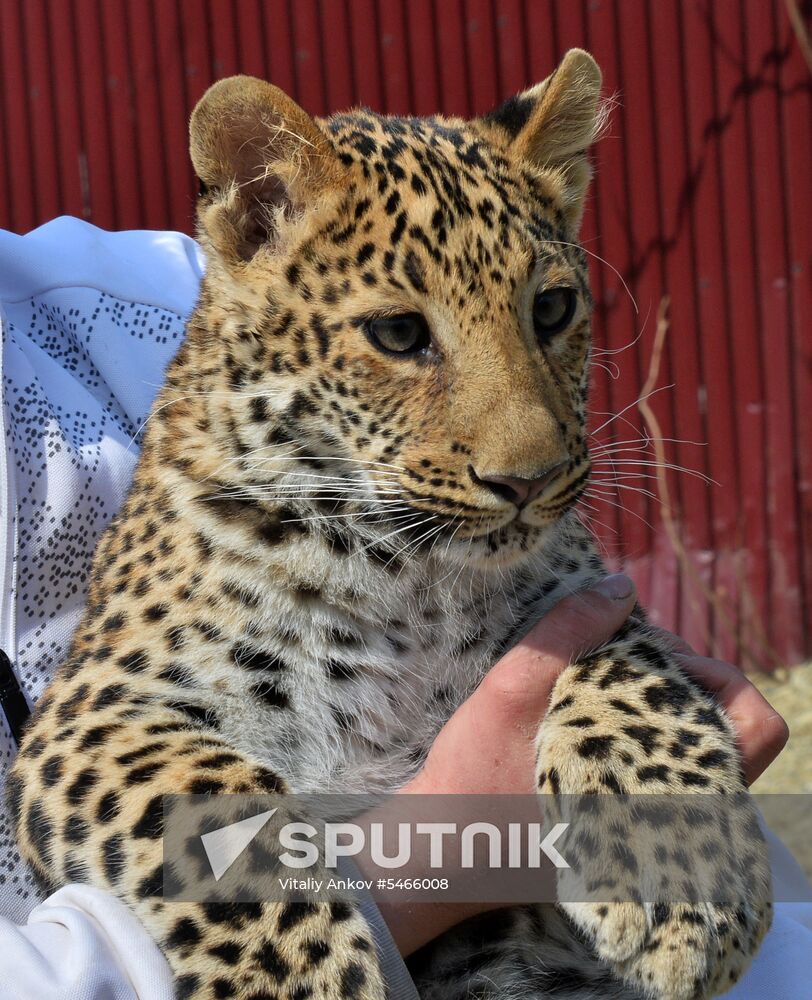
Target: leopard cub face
{"points": [[405, 308]]}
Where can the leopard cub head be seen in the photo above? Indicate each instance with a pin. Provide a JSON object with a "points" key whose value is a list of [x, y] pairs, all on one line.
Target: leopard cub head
{"points": [[400, 308]]}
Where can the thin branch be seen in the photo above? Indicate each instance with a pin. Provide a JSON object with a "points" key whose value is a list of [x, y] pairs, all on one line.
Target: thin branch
{"points": [[797, 21], [667, 509]]}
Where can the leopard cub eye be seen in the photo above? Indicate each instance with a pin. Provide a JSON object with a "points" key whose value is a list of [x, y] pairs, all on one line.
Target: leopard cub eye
{"points": [[553, 310], [405, 334]]}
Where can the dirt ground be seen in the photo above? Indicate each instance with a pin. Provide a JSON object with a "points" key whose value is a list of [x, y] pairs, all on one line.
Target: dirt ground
{"points": [[790, 691]]}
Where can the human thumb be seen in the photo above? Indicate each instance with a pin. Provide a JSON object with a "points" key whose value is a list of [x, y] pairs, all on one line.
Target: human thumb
{"points": [[525, 676]]}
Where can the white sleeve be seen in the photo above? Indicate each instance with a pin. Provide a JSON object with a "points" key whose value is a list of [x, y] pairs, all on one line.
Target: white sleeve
{"points": [[782, 969], [81, 944]]}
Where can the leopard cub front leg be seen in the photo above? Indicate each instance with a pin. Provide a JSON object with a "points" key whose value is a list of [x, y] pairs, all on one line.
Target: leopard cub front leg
{"points": [[626, 721], [89, 807]]}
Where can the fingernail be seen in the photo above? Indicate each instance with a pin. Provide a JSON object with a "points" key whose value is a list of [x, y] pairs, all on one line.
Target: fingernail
{"points": [[617, 587]]}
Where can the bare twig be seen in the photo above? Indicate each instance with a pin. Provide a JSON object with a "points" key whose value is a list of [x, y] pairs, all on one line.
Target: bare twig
{"points": [[797, 21], [664, 496]]}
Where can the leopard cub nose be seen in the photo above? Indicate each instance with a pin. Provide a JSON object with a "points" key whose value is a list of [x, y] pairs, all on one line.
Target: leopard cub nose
{"points": [[514, 488]]}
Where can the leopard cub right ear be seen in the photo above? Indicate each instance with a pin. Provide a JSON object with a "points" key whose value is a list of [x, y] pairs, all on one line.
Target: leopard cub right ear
{"points": [[552, 125], [260, 158]]}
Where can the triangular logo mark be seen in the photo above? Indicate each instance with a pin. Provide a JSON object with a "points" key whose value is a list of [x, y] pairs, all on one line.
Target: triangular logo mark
{"points": [[225, 845]]}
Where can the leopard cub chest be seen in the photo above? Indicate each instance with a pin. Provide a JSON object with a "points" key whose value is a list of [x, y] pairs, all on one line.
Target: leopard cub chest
{"points": [[342, 679]]}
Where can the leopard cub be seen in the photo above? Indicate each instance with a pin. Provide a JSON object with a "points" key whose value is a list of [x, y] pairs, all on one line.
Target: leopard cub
{"points": [[357, 488]]}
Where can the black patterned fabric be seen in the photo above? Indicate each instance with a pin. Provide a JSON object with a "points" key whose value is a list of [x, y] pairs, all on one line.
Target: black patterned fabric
{"points": [[89, 322]]}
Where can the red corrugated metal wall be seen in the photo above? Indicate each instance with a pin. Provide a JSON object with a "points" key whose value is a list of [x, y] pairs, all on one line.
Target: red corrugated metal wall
{"points": [[703, 195]]}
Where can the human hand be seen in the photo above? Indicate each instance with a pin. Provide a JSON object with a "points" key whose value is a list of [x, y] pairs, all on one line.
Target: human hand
{"points": [[488, 745], [760, 731]]}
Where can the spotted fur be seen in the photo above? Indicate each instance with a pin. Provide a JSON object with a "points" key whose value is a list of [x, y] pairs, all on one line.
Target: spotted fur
{"points": [[310, 573]]}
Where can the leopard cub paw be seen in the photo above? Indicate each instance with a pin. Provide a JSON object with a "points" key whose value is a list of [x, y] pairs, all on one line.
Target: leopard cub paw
{"points": [[679, 951]]}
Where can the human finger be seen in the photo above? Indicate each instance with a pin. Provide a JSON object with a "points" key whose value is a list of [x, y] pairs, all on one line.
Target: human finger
{"points": [[762, 732]]}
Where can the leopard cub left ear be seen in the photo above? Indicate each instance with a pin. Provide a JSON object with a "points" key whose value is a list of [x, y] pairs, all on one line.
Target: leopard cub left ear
{"points": [[260, 158], [553, 124]]}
